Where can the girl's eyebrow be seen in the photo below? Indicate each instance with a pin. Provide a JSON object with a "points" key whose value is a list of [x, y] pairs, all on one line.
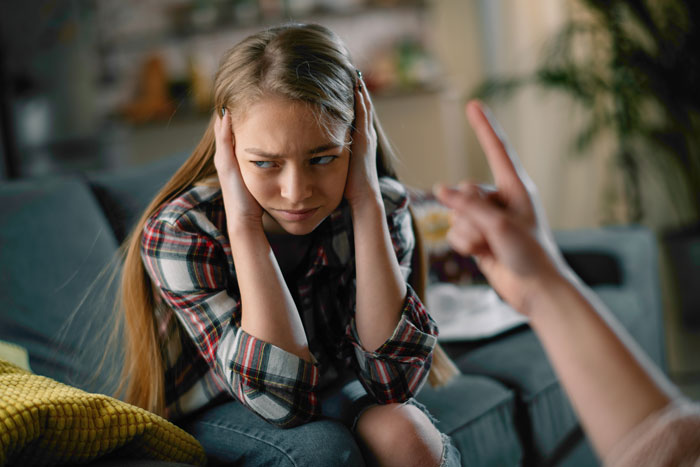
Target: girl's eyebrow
{"points": [[316, 150], [261, 153], [325, 147]]}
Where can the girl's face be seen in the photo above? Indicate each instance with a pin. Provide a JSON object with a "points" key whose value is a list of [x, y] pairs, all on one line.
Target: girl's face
{"points": [[294, 168]]}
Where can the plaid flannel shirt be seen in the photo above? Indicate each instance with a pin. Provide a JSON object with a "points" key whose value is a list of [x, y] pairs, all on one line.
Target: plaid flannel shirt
{"points": [[186, 251]]}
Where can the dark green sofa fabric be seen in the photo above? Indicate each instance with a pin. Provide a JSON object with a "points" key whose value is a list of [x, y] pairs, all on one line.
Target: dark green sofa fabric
{"points": [[125, 194], [636, 300], [544, 416], [54, 245], [478, 413]]}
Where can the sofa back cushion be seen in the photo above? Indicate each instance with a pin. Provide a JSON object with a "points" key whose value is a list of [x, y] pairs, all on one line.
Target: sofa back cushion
{"points": [[124, 194], [625, 261], [54, 245]]}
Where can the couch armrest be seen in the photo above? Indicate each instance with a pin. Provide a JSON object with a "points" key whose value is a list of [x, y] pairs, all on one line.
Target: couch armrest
{"points": [[622, 260]]}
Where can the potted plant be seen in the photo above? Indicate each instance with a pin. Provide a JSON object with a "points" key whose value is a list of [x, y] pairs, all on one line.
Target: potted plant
{"points": [[634, 66]]}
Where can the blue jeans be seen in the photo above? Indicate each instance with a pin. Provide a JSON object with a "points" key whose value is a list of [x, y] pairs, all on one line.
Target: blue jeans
{"points": [[233, 435]]}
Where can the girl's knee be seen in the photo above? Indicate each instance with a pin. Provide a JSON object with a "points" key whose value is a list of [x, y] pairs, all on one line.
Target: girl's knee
{"points": [[399, 434]]}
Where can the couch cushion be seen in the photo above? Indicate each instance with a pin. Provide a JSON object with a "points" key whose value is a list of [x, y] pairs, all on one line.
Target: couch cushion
{"points": [[634, 250], [544, 416], [124, 194], [626, 307], [55, 242], [478, 414]]}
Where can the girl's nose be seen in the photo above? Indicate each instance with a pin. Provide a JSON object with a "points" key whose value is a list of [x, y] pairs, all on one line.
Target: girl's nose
{"points": [[296, 185]]}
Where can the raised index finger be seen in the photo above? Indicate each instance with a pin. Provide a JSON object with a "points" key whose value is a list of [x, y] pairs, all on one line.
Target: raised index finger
{"points": [[507, 171]]}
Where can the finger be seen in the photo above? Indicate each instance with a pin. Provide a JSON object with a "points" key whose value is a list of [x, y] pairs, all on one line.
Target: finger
{"points": [[462, 226], [466, 202], [494, 197], [498, 228], [228, 129], [363, 138], [460, 244], [505, 166], [226, 133], [218, 131], [366, 98], [371, 114], [225, 159], [361, 110], [217, 126], [467, 240], [455, 197]]}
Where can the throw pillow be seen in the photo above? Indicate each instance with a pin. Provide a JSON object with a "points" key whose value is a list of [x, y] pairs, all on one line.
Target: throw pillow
{"points": [[44, 422]]}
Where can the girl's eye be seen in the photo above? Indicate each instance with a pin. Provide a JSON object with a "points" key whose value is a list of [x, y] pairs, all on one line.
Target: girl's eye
{"points": [[323, 160], [264, 164]]}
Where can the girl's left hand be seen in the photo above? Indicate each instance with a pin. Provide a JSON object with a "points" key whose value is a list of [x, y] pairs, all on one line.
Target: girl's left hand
{"points": [[363, 181]]}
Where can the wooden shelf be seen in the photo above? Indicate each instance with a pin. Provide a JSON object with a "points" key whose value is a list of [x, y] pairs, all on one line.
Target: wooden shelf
{"points": [[229, 25]]}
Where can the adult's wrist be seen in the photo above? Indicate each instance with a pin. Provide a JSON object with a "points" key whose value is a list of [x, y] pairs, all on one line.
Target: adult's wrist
{"points": [[549, 296]]}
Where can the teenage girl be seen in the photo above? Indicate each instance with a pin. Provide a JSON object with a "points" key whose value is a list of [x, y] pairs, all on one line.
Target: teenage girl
{"points": [[266, 289]]}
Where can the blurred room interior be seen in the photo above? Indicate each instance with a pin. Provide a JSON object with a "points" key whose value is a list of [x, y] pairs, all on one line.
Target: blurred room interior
{"points": [[107, 84]]}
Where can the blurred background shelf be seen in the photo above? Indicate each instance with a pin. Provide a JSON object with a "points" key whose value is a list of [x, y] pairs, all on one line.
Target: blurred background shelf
{"points": [[125, 82], [191, 20]]}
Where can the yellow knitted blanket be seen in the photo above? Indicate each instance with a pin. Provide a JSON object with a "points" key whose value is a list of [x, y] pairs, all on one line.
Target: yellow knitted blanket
{"points": [[44, 422]]}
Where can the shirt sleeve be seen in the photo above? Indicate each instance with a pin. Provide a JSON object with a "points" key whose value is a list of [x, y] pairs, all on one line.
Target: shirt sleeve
{"points": [[189, 270], [397, 370]]}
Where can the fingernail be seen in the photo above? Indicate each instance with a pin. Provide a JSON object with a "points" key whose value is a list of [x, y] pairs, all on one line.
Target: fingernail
{"points": [[359, 79]]}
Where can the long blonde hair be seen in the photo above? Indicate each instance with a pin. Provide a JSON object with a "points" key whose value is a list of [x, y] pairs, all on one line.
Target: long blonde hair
{"points": [[306, 63]]}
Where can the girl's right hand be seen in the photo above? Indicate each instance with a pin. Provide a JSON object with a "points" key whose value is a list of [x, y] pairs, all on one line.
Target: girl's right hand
{"points": [[242, 210]]}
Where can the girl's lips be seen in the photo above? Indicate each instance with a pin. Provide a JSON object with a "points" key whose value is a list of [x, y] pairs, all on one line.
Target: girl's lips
{"points": [[296, 216]]}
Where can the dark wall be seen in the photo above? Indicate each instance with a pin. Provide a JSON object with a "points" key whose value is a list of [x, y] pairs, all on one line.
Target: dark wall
{"points": [[50, 73]]}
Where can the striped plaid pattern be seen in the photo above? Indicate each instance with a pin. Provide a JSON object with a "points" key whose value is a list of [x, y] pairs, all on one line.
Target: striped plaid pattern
{"points": [[187, 254]]}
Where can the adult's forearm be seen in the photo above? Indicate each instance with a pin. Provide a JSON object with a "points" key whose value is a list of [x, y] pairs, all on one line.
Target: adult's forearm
{"points": [[381, 289], [267, 308], [608, 384]]}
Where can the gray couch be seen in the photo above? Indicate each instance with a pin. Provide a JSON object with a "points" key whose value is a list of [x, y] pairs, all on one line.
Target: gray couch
{"points": [[507, 408]]}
